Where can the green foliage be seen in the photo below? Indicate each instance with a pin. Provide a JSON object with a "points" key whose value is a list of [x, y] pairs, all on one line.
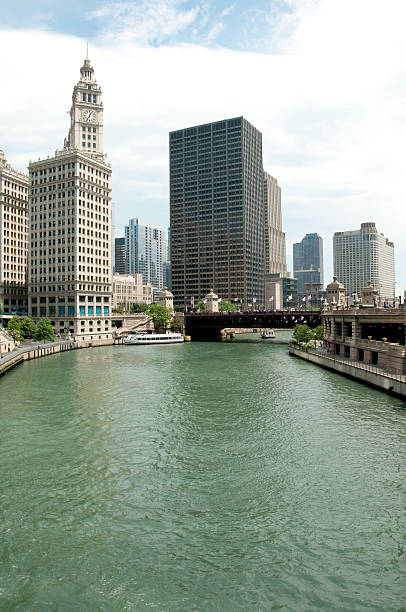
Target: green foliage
{"points": [[302, 333], [160, 315], [308, 345], [225, 306], [199, 306], [319, 331], [139, 307], [14, 328], [28, 327], [119, 309], [176, 326], [44, 330]]}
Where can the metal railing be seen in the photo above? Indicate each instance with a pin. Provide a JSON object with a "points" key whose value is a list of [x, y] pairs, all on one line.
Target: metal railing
{"points": [[359, 365]]}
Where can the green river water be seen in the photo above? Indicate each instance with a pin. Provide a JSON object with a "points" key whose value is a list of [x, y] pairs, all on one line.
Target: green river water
{"points": [[218, 476]]}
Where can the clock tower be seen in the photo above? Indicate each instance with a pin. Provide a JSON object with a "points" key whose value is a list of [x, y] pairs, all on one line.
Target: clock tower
{"points": [[86, 129], [70, 225]]}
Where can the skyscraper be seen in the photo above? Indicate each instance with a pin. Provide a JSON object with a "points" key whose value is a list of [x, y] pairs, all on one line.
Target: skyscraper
{"points": [[145, 252], [217, 214], [365, 255], [13, 238], [275, 246], [119, 256], [308, 264], [70, 224]]}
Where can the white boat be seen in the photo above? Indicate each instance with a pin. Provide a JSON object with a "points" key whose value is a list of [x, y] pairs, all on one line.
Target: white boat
{"points": [[168, 338], [268, 334]]}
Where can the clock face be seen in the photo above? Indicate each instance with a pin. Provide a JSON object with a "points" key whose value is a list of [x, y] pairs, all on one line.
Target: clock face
{"points": [[89, 116]]}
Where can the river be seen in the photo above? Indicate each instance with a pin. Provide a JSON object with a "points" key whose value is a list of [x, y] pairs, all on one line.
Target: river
{"points": [[218, 476]]}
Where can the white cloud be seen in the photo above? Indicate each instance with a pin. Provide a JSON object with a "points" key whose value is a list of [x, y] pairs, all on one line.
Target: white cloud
{"points": [[143, 21], [331, 110]]}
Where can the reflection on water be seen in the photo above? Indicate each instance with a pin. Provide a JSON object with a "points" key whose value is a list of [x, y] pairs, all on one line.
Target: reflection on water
{"points": [[199, 477]]}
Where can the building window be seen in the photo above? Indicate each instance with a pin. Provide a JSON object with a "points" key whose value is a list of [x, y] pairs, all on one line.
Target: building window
{"points": [[71, 311], [90, 310], [106, 310], [61, 311], [98, 310], [82, 310]]}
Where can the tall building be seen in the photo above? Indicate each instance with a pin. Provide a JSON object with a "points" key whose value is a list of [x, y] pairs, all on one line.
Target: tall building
{"points": [[13, 238], [119, 255], [217, 212], [145, 252], [308, 264], [70, 224], [365, 255], [168, 280], [275, 245]]}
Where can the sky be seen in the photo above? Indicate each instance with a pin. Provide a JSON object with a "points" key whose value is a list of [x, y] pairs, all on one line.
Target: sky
{"points": [[323, 80]]}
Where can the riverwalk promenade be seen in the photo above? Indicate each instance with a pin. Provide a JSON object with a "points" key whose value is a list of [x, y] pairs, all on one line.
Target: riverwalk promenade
{"points": [[363, 372], [36, 349]]}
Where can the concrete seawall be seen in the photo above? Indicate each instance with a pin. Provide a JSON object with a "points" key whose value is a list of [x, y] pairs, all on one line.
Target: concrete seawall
{"points": [[370, 375], [11, 360]]}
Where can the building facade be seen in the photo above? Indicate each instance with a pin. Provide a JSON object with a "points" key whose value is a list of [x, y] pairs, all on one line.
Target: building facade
{"points": [[372, 336], [217, 214], [70, 224], [365, 255], [308, 265], [13, 238], [145, 252], [119, 255], [275, 244], [129, 290]]}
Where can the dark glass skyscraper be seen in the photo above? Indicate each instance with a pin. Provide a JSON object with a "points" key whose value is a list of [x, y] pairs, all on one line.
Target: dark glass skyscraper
{"points": [[217, 212], [119, 255], [308, 264]]}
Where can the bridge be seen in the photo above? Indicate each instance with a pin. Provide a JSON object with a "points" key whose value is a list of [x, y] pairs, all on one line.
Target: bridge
{"points": [[207, 327]]}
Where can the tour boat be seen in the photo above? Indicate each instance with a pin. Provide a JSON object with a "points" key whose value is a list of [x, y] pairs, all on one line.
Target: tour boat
{"points": [[168, 338], [268, 334]]}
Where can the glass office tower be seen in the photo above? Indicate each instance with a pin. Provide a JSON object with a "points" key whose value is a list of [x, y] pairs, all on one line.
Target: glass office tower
{"points": [[145, 252], [217, 212], [308, 264]]}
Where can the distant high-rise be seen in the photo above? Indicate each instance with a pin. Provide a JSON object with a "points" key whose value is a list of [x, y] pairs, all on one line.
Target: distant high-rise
{"points": [[145, 252], [119, 259], [217, 212], [308, 264], [365, 255], [275, 247], [13, 238]]}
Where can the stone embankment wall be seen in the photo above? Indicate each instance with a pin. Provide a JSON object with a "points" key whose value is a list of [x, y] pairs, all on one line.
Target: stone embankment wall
{"points": [[34, 352], [392, 383]]}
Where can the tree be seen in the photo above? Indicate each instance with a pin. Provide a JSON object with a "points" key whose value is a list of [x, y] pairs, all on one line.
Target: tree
{"points": [[44, 330], [225, 306], [160, 315], [119, 309], [176, 326], [14, 328], [28, 327], [200, 306], [319, 331], [302, 333], [139, 307]]}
